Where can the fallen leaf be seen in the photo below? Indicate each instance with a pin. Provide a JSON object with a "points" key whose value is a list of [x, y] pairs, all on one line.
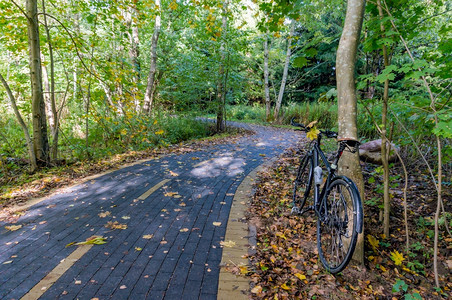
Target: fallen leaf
{"points": [[148, 236], [173, 174], [256, 290], [115, 225], [138, 249], [285, 287], [216, 223], [104, 214], [195, 158], [7, 262], [228, 244], [182, 204], [373, 241], [13, 227], [122, 287], [125, 217], [93, 240], [397, 257], [78, 282], [300, 276], [184, 230]]}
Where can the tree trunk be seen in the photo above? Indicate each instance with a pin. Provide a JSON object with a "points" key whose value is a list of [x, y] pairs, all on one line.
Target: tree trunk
{"points": [[266, 73], [149, 94], [134, 53], [347, 102], [40, 141], [221, 92], [53, 114], [28, 139], [285, 72], [384, 140]]}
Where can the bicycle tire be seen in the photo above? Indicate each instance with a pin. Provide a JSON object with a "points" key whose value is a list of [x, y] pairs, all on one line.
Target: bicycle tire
{"points": [[338, 224], [303, 183]]}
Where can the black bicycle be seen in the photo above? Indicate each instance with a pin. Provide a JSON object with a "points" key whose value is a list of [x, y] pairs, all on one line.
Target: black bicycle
{"points": [[335, 201]]}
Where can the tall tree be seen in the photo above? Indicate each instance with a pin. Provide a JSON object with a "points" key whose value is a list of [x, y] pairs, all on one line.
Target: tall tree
{"points": [[221, 88], [285, 72], [347, 101], [149, 94], [40, 140], [384, 140], [266, 73]]}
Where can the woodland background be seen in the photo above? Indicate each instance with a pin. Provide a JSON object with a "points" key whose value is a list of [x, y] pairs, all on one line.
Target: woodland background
{"points": [[132, 76]]}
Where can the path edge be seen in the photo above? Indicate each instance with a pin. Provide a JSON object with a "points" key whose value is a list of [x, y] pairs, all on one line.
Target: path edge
{"points": [[243, 238]]}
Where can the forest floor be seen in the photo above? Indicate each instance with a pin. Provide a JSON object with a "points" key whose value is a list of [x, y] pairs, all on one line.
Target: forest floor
{"points": [[18, 186], [286, 263]]}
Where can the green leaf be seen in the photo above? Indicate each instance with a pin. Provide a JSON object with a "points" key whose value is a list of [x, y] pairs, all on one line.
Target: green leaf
{"points": [[300, 62]]}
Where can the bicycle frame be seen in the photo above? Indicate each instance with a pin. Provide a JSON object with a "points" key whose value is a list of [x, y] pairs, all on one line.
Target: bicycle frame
{"points": [[319, 195]]}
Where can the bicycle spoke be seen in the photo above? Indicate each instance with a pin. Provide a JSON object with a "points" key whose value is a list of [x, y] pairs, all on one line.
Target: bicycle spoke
{"points": [[336, 234]]}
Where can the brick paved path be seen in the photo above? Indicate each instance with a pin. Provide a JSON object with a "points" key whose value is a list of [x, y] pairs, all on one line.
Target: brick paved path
{"points": [[185, 216]]}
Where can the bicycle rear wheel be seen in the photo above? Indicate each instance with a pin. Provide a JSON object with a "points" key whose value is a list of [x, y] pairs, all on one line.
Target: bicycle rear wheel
{"points": [[337, 225], [302, 190]]}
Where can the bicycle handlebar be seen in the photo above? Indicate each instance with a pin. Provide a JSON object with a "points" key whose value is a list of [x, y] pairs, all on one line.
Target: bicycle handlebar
{"points": [[327, 133]]}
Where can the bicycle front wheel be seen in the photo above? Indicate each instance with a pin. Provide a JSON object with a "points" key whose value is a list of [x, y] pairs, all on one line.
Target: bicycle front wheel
{"points": [[302, 188], [337, 224]]}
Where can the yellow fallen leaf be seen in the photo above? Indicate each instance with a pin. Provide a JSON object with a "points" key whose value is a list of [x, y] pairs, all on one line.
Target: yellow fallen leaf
{"points": [[93, 240], [184, 230], [216, 223], [182, 204], [300, 276], [138, 249], [7, 262], [173, 174], [104, 214], [148, 236], [160, 132], [13, 227], [243, 270], [285, 287], [78, 282], [171, 194], [228, 244], [125, 217], [397, 257], [373, 241]]}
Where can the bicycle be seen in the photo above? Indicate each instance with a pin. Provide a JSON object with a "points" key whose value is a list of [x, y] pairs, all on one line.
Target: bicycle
{"points": [[336, 201]]}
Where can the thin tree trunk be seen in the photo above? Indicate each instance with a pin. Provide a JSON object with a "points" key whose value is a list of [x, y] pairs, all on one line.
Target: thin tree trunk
{"points": [[148, 96], [40, 140], [285, 72], [384, 140], [266, 73], [53, 115], [221, 93], [347, 102], [134, 53], [22, 124]]}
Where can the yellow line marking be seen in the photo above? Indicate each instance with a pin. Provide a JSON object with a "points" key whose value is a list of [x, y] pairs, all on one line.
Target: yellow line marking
{"points": [[39, 289], [153, 189]]}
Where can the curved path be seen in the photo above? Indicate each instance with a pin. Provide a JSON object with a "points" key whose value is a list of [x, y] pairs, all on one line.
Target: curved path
{"points": [[167, 218]]}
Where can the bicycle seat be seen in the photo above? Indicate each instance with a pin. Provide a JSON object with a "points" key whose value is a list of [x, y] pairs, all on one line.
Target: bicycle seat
{"points": [[351, 142]]}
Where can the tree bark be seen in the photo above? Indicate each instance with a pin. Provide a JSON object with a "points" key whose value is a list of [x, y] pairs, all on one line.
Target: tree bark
{"points": [[40, 140], [149, 94], [347, 102], [285, 72], [266, 73], [221, 91], [22, 124]]}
